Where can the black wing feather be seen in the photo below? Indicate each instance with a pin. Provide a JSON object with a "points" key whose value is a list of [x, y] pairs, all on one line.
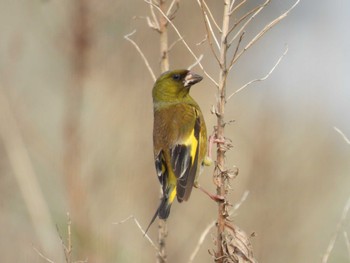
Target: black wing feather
{"points": [[162, 170]]}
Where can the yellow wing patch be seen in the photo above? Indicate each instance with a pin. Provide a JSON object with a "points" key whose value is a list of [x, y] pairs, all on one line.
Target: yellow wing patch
{"points": [[192, 141], [172, 195]]}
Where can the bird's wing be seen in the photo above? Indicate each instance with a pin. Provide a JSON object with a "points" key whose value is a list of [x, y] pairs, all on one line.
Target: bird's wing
{"points": [[184, 161], [177, 140]]}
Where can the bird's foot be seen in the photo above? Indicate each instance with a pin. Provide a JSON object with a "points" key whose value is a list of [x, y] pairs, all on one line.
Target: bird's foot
{"points": [[215, 197]]}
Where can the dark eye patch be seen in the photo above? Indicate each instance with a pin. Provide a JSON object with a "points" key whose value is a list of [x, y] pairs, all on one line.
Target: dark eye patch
{"points": [[176, 77]]}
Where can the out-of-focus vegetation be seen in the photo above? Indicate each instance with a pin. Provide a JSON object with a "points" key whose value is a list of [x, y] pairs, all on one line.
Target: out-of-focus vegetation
{"points": [[76, 121]]}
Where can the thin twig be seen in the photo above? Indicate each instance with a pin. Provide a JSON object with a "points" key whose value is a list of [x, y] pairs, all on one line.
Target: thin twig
{"points": [[203, 40], [171, 7], [206, 19], [211, 16], [65, 249], [262, 32], [152, 24], [232, 10], [335, 235], [149, 22], [201, 240], [69, 238], [68, 249], [238, 45], [155, 20], [141, 229], [196, 62], [241, 201], [239, 21], [174, 44], [347, 242], [127, 37], [42, 255], [258, 10], [260, 79], [209, 30], [342, 134], [183, 41]]}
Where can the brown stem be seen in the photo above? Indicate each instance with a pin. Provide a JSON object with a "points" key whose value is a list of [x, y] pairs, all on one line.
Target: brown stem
{"points": [[164, 66], [164, 49], [220, 132]]}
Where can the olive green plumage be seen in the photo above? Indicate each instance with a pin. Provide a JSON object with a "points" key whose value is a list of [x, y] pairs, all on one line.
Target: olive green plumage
{"points": [[179, 137]]}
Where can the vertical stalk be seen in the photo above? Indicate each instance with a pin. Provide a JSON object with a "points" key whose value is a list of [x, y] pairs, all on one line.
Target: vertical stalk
{"points": [[221, 186], [164, 49], [72, 155], [164, 66]]}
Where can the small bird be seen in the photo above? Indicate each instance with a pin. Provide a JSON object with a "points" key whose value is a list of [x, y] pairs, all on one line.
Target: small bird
{"points": [[179, 137]]}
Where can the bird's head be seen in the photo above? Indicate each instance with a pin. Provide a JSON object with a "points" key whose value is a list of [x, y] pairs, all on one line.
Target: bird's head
{"points": [[174, 85]]}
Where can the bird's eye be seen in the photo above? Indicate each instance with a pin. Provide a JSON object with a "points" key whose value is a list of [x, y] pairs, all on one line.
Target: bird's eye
{"points": [[176, 77]]}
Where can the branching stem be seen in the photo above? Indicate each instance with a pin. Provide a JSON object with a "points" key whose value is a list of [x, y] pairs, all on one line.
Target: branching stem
{"points": [[220, 132]]}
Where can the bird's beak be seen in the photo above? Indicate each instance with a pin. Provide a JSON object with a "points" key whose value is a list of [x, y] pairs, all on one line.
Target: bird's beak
{"points": [[191, 79]]}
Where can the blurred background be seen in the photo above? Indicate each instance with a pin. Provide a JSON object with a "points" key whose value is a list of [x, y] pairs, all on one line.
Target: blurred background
{"points": [[76, 131]]}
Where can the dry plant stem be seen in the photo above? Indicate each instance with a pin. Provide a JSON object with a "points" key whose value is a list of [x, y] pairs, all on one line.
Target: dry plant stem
{"points": [[164, 47], [174, 44], [238, 44], [43, 256], [220, 160], [342, 134], [68, 249], [26, 177], [141, 229], [183, 41], [212, 224], [256, 11], [347, 242], [195, 63], [127, 37], [155, 23], [239, 21], [168, 13], [211, 16], [232, 10], [337, 231], [263, 31], [260, 79], [164, 66], [207, 23], [201, 240], [238, 205], [210, 31]]}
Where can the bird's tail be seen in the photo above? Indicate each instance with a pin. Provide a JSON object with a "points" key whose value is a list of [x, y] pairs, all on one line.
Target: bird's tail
{"points": [[163, 210]]}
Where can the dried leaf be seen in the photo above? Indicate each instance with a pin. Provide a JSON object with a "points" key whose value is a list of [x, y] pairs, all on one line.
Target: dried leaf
{"points": [[236, 245]]}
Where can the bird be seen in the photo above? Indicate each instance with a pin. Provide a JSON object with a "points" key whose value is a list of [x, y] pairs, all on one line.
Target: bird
{"points": [[179, 138]]}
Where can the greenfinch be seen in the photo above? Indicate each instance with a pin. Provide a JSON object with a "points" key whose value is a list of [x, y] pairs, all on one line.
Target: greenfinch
{"points": [[179, 137]]}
